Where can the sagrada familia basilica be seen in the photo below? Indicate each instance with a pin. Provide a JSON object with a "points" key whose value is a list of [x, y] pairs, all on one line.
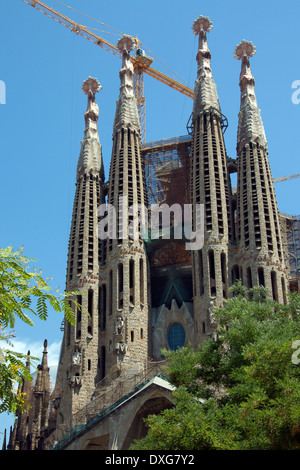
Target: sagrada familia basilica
{"points": [[139, 293]]}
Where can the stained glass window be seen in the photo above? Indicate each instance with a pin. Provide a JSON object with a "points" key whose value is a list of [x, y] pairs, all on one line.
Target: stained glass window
{"points": [[176, 336]]}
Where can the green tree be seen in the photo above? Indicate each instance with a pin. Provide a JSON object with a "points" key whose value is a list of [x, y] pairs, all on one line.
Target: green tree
{"points": [[23, 295], [239, 390]]}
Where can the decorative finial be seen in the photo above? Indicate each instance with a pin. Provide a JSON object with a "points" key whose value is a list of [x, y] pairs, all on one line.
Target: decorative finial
{"points": [[203, 23], [126, 43], [245, 48], [91, 84], [250, 125]]}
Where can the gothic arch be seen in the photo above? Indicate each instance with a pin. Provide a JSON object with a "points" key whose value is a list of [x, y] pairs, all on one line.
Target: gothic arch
{"points": [[137, 429]]}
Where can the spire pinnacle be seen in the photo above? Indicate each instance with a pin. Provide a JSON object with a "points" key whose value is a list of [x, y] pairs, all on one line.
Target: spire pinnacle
{"points": [[202, 25], [28, 360], [206, 96], [45, 352], [91, 155], [250, 127], [126, 44], [90, 87], [126, 112]]}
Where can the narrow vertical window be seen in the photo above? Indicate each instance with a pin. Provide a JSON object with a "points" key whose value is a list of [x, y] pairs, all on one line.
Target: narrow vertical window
{"points": [[201, 272], [100, 302], [283, 291], [68, 332], [211, 259], [78, 317], [249, 278], [110, 293], [131, 281], [224, 274], [274, 286], [142, 281], [261, 277], [104, 306], [235, 273], [90, 302], [90, 311], [120, 286]]}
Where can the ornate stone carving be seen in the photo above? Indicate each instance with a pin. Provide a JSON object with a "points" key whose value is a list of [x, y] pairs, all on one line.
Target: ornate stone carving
{"points": [[119, 326], [75, 381], [211, 316], [118, 348], [56, 403], [76, 357]]}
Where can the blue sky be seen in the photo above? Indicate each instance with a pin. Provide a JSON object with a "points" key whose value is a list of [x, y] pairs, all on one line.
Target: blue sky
{"points": [[43, 65]]}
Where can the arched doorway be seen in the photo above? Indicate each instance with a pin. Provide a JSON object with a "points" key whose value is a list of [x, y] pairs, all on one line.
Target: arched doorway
{"points": [[138, 428]]}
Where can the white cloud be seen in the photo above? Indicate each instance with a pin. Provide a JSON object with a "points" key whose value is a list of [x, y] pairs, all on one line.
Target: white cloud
{"points": [[36, 349]]}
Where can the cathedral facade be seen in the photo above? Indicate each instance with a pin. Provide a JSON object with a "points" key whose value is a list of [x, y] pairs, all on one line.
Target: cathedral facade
{"points": [[138, 293]]}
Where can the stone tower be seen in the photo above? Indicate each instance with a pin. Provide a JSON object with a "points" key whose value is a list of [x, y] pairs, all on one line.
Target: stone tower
{"points": [[125, 285], [260, 256], [78, 365], [209, 187], [20, 438], [31, 425]]}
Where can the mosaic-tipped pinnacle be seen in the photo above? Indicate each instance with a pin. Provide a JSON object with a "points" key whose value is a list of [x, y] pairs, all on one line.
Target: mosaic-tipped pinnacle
{"points": [[126, 42], [244, 48], [91, 84], [203, 23]]}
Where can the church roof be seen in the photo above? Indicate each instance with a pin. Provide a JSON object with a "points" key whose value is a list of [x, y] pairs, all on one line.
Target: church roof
{"points": [[157, 381]]}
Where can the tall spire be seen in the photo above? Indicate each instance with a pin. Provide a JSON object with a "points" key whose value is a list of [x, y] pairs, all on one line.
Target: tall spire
{"points": [[206, 95], [126, 112], [250, 126], [125, 340], [260, 253], [90, 157], [209, 188]]}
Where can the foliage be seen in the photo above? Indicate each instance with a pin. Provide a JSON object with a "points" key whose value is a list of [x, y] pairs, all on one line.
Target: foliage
{"points": [[239, 390], [19, 289]]}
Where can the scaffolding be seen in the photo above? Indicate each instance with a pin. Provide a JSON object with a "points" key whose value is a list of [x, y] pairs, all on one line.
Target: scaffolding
{"points": [[291, 231], [294, 245], [167, 171]]}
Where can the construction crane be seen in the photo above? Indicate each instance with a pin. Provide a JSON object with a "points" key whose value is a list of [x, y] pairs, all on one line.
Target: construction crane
{"points": [[141, 62], [285, 178]]}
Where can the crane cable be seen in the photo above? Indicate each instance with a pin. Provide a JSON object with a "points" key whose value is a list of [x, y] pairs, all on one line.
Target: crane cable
{"points": [[87, 16], [119, 33], [165, 65]]}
